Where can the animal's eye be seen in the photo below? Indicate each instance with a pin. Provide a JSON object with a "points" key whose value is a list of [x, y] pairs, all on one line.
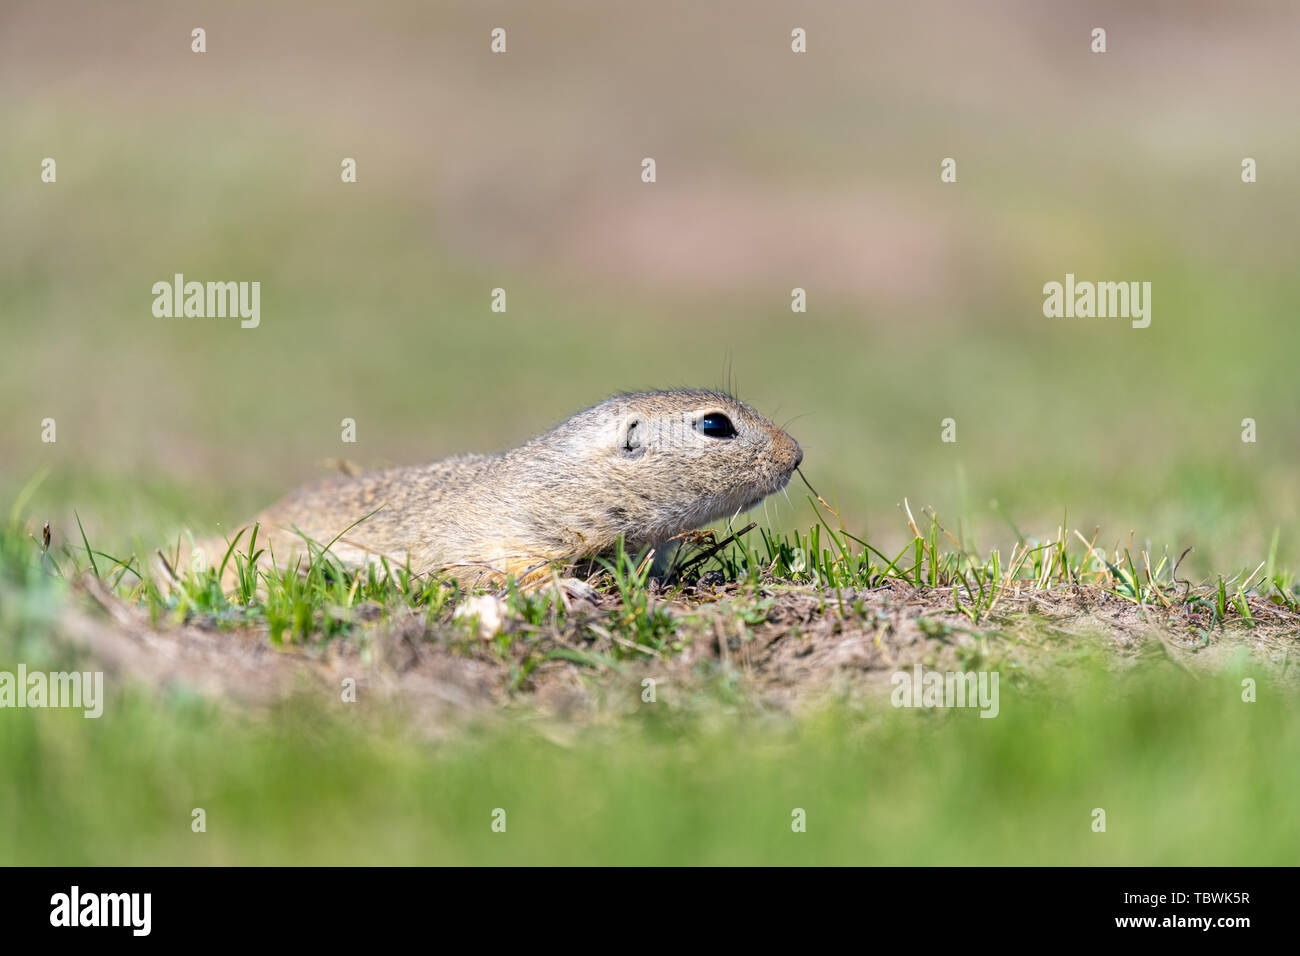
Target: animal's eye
{"points": [[717, 426]]}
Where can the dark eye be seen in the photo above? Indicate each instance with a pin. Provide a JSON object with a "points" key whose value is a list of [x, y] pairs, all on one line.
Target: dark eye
{"points": [[717, 426]]}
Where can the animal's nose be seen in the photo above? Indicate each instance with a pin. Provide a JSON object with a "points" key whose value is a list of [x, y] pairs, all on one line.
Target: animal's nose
{"points": [[796, 453], [786, 448]]}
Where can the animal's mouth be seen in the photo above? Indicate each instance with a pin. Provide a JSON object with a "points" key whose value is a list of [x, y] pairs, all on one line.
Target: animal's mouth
{"points": [[736, 505], [776, 485]]}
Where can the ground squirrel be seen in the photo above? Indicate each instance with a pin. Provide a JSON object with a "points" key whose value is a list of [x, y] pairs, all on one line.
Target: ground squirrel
{"points": [[648, 466]]}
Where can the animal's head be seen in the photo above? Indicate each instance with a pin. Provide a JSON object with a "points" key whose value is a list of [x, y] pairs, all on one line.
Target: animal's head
{"points": [[666, 462]]}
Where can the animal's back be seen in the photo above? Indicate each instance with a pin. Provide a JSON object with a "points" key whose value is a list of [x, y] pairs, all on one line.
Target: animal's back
{"points": [[415, 511]]}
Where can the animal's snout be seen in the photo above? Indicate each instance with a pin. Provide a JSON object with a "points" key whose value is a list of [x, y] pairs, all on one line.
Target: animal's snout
{"points": [[788, 451]]}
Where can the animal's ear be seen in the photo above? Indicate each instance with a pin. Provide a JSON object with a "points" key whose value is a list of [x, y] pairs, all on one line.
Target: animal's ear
{"points": [[632, 438]]}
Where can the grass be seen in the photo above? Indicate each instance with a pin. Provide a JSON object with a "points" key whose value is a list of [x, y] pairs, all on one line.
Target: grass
{"points": [[324, 600]]}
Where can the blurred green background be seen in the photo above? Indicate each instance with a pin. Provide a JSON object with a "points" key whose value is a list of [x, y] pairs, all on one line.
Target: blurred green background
{"points": [[1186, 773], [775, 171]]}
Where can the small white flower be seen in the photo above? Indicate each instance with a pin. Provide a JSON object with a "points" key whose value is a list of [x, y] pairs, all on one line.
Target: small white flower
{"points": [[486, 611]]}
